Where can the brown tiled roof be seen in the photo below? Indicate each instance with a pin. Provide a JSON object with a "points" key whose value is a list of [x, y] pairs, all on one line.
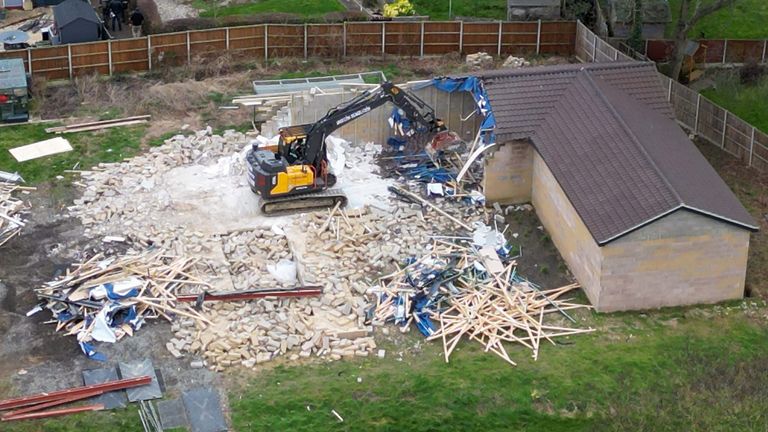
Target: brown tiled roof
{"points": [[609, 137]]}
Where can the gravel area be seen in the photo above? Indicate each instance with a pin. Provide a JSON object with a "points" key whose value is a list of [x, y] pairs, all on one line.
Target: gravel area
{"points": [[171, 10]]}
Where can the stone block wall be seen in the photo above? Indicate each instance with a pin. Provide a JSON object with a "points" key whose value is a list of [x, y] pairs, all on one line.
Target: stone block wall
{"points": [[683, 258], [508, 173], [568, 232]]}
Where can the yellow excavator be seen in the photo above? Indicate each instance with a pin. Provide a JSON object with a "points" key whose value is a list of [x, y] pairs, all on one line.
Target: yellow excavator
{"points": [[295, 175]]}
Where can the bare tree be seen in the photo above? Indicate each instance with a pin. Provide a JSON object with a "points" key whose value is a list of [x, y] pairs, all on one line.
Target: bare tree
{"points": [[691, 12]]}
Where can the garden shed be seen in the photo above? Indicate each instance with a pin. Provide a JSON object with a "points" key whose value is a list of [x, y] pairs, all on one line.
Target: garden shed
{"points": [[76, 21], [638, 214]]}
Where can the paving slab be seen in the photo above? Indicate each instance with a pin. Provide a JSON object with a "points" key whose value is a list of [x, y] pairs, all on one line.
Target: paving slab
{"points": [[203, 408], [137, 369], [172, 414], [110, 400]]}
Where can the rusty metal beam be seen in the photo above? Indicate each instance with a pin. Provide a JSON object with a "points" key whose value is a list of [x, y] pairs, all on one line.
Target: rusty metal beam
{"points": [[250, 295], [42, 406], [100, 388], [54, 413]]}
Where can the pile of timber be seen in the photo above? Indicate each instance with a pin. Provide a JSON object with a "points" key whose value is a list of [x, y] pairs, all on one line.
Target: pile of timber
{"points": [[11, 208], [459, 291], [98, 125], [106, 298]]}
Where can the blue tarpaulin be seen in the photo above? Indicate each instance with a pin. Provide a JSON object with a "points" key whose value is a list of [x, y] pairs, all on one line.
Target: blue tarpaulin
{"points": [[472, 85]]}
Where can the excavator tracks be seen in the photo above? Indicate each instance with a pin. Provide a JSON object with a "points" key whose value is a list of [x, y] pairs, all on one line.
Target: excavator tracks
{"points": [[313, 201]]}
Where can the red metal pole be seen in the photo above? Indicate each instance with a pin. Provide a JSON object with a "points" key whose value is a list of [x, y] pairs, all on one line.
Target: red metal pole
{"points": [[52, 403], [250, 295], [48, 397], [54, 413]]}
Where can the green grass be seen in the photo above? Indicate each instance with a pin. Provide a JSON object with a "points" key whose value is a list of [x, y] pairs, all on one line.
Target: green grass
{"points": [[745, 20], [307, 8], [90, 148], [748, 102], [702, 374], [122, 420], [438, 9]]}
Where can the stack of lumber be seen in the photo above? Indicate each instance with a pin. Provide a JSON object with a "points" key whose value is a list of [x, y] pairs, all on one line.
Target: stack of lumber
{"points": [[105, 299], [459, 291], [98, 125], [11, 208]]}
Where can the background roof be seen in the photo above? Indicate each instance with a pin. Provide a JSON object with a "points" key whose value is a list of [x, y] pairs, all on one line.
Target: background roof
{"points": [[610, 139]]}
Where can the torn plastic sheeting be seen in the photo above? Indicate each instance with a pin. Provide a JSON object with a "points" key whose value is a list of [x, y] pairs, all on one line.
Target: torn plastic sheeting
{"points": [[117, 290], [284, 271], [101, 330], [474, 86], [91, 352], [336, 154]]}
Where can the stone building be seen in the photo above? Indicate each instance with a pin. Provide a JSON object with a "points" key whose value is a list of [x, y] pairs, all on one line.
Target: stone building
{"points": [[637, 213]]}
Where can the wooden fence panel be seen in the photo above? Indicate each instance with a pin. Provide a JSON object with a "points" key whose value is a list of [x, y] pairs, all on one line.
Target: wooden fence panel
{"points": [[51, 62], [684, 101], [169, 49], [711, 121], [744, 51], [480, 36], [519, 38], [710, 51], [325, 40], [403, 38], [208, 41], [738, 137], [558, 38], [130, 55], [90, 58], [365, 38], [760, 152], [247, 41], [442, 37], [285, 40]]}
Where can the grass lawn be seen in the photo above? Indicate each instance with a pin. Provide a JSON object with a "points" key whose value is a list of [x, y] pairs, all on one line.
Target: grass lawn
{"points": [[90, 148], [748, 102], [698, 374], [745, 20], [306, 8], [438, 9]]}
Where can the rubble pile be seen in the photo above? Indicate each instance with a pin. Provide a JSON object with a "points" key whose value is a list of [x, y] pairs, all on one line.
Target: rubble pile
{"points": [[104, 299], [515, 62], [259, 259], [479, 60], [122, 196], [11, 210]]}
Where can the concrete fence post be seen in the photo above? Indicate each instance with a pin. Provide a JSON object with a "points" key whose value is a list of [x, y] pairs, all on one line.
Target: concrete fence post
{"points": [[461, 37], [266, 42], [421, 43], [189, 49], [109, 55], [751, 147], [226, 38], [725, 49], [725, 128], [538, 38], [305, 41], [765, 46], [669, 91], [69, 59], [383, 37], [149, 52], [698, 107], [594, 48], [498, 41], [344, 40], [29, 61]]}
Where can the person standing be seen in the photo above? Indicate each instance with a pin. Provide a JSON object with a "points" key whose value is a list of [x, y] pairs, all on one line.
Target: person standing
{"points": [[136, 21], [116, 13]]}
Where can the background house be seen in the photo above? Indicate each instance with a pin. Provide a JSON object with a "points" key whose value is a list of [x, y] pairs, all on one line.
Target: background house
{"points": [[533, 10], [620, 15], [76, 21], [637, 213]]}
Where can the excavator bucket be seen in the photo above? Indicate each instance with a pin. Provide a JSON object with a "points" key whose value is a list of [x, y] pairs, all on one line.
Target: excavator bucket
{"points": [[444, 141]]}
